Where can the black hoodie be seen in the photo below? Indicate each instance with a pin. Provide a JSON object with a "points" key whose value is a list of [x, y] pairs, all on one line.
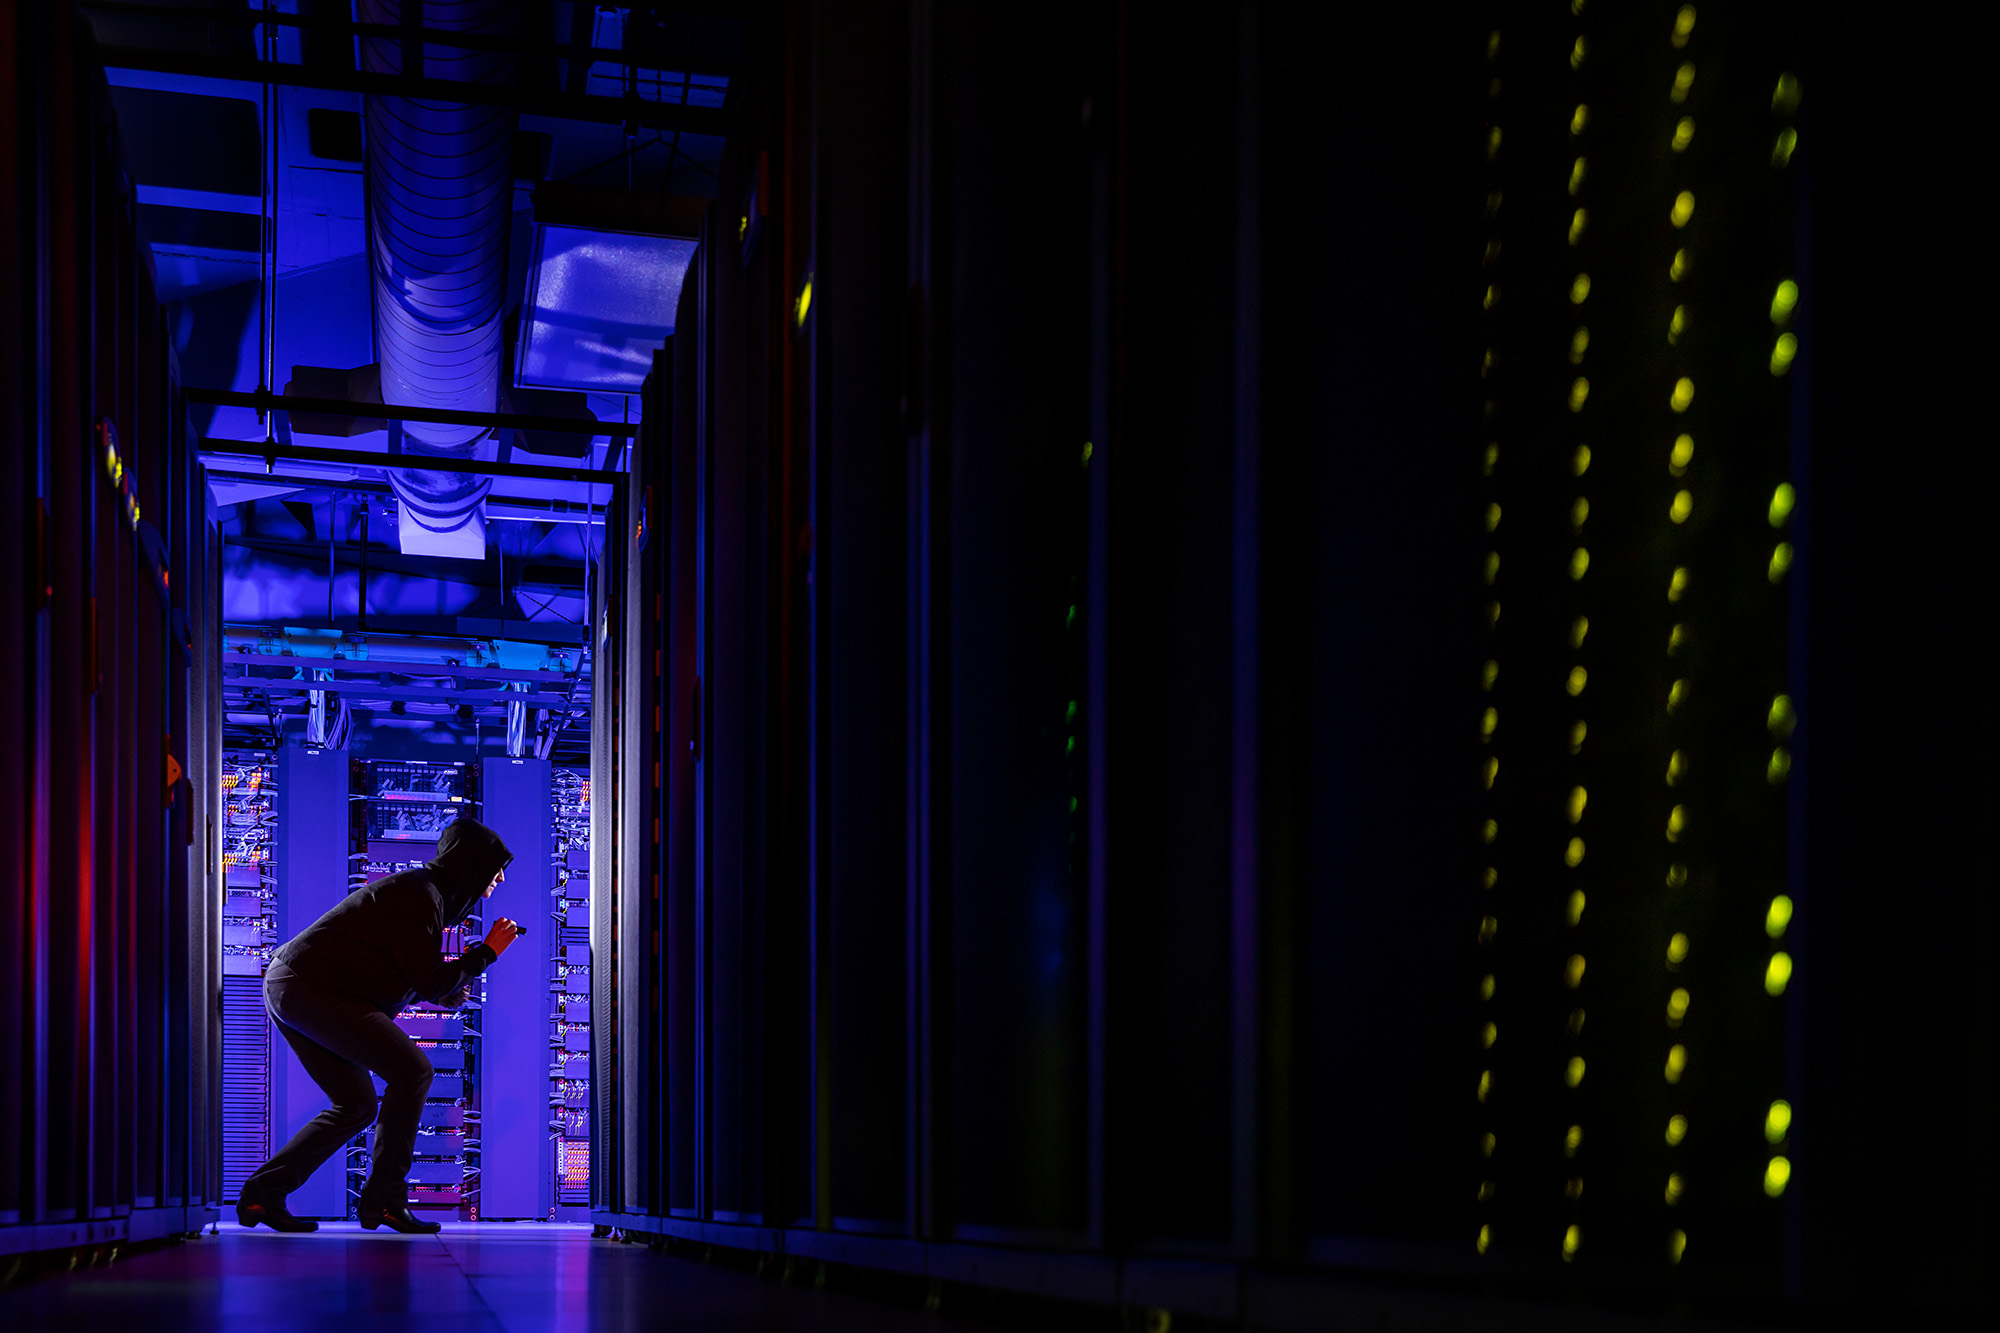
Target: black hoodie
{"points": [[384, 942]]}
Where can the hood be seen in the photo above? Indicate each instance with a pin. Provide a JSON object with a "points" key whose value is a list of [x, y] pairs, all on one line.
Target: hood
{"points": [[468, 856]]}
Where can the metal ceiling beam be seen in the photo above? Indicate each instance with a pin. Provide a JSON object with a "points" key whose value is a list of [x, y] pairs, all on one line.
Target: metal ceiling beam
{"points": [[370, 690], [265, 401], [462, 41], [250, 665], [270, 453], [637, 111]]}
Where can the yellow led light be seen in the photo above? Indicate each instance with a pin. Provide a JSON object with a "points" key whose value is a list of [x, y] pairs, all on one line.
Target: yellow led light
{"points": [[1488, 928], [1677, 950], [1573, 1188], [1675, 638], [1683, 208], [1578, 799], [1489, 674], [1674, 1189], [1579, 462], [1683, 26], [1487, 1143], [1676, 768], [1778, 1121], [1577, 53], [1786, 145], [1677, 267], [1675, 693], [1490, 877], [1493, 202], [1780, 766], [1782, 353], [1677, 1006], [1677, 1059], [1572, 1242], [1579, 343], [1683, 134], [1492, 517], [1579, 289], [1492, 297], [1782, 719], [1485, 1190], [1489, 1034], [1579, 392], [1572, 1140], [1578, 678], [1677, 1129], [1492, 457], [1485, 1084], [1682, 455], [1573, 971], [1579, 629], [1492, 143], [1676, 823], [1677, 1243], [1677, 876], [1576, 901], [1492, 771], [1492, 46], [1683, 81], [1776, 1176], [805, 301], [1487, 986], [1573, 1071], [1577, 222], [1492, 567], [1493, 613], [1784, 301], [1489, 722], [1778, 916], [1682, 396], [1579, 563], [1783, 501], [1781, 562], [1777, 973], [1573, 854], [1485, 1238], [1579, 512], [1579, 120], [1682, 506], [1490, 830], [1577, 171], [1676, 326], [1492, 252], [1677, 583], [1577, 731], [1785, 97]]}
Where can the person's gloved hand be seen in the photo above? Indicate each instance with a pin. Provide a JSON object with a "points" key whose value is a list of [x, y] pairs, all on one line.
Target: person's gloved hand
{"points": [[458, 999], [504, 933]]}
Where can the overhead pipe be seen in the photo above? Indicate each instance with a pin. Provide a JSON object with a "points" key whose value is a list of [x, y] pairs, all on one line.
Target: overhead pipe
{"points": [[440, 194]]}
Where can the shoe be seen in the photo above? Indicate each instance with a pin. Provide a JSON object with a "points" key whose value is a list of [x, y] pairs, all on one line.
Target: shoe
{"points": [[273, 1215], [400, 1219]]}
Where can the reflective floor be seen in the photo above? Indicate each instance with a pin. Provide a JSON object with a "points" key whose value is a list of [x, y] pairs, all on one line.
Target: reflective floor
{"points": [[513, 1277]]}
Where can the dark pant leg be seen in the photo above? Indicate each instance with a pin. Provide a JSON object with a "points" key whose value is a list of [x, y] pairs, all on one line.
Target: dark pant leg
{"points": [[358, 1037], [347, 1086]]}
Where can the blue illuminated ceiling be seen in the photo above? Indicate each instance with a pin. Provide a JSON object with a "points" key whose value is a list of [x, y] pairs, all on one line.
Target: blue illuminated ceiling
{"points": [[237, 177]]}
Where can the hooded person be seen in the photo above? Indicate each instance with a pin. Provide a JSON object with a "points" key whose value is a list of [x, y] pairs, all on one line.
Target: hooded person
{"points": [[334, 991]]}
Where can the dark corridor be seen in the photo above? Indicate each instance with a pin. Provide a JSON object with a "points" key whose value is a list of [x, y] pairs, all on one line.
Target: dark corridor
{"points": [[1207, 664]]}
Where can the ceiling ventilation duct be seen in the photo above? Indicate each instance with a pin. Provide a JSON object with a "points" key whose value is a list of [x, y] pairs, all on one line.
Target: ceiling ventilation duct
{"points": [[440, 194]]}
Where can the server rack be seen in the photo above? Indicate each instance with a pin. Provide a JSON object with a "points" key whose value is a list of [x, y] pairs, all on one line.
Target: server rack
{"points": [[398, 809]]}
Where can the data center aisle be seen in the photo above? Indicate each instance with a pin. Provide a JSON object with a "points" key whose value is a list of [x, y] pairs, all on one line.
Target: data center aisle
{"points": [[492, 1278]]}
